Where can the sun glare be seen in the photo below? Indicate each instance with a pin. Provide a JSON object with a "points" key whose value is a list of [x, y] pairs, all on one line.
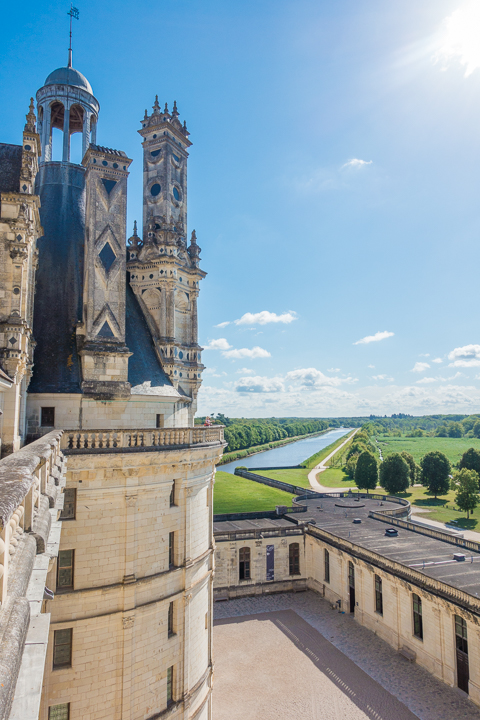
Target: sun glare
{"points": [[460, 37]]}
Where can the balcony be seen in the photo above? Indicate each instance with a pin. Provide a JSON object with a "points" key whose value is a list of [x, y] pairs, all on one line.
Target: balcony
{"points": [[146, 440]]}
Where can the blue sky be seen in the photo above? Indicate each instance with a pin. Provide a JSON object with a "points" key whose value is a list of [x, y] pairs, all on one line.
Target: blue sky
{"points": [[333, 184]]}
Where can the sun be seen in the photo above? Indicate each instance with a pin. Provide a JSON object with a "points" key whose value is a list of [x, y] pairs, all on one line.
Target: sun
{"points": [[460, 37]]}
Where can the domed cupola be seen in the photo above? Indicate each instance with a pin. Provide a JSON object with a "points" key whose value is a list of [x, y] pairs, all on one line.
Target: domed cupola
{"points": [[66, 101]]}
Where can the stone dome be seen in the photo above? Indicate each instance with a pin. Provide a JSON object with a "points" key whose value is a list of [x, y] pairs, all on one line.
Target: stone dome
{"points": [[69, 76]]}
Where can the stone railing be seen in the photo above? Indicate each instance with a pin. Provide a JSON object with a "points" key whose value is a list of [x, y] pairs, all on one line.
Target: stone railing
{"points": [[258, 534], [78, 441], [31, 482], [429, 532]]}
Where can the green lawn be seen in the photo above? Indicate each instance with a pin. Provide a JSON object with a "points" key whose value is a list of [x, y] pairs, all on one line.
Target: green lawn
{"points": [[315, 459], [295, 476], [335, 477], [236, 494], [453, 448]]}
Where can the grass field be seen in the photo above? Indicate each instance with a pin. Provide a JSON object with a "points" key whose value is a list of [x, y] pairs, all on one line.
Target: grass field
{"points": [[335, 477], [313, 460], [236, 494], [453, 448], [294, 476]]}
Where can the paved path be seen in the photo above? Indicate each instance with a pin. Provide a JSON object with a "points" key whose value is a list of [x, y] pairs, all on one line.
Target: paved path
{"points": [[333, 670], [322, 466], [423, 519]]}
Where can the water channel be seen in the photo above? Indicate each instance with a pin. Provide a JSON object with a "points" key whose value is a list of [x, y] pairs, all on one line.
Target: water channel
{"points": [[291, 454]]}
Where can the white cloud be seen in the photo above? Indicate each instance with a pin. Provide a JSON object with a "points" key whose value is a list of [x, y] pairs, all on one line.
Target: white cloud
{"points": [[372, 367], [245, 371], [420, 367], [223, 324], [259, 384], [220, 344], [311, 377], [424, 355], [255, 352], [264, 317], [459, 40], [382, 377], [437, 360], [466, 356], [356, 163], [374, 338], [334, 370], [426, 380]]}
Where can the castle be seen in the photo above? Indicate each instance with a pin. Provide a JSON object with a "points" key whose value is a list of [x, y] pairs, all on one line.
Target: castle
{"points": [[106, 551]]}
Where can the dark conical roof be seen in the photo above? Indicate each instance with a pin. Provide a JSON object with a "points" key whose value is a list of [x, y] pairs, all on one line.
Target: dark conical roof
{"points": [[69, 76]]}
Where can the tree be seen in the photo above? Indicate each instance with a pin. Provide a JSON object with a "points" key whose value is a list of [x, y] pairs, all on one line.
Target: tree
{"points": [[455, 430], [466, 484], [435, 472], [441, 431], [366, 471], [411, 464], [351, 465], [470, 461], [476, 429], [394, 474]]}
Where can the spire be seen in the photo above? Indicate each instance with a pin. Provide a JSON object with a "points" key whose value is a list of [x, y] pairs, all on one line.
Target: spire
{"points": [[166, 109], [30, 117], [146, 114], [74, 14], [156, 106], [175, 112], [135, 228]]}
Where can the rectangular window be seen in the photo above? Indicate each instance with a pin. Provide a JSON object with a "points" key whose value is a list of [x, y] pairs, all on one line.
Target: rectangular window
{"points": [[417, 617], [170, 685], [244, 563], [170, 620], [461, 634], [326, 556], [66, 559], [48, 417], [59, 712], [69, 504], [171, 549], [172, 495], [378, 595], [294, 559], [62, 648], [160, 421]]}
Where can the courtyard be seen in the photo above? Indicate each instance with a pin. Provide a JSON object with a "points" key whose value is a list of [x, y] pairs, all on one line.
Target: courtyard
{"points": [[290, 655]]}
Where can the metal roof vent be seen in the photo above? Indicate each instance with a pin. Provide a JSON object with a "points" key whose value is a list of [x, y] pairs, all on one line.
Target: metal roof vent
{"points": [[459, 557], [357, 521], [391, 532]]}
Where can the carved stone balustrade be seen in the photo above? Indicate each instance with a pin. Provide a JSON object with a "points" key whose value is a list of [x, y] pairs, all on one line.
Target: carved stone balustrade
{"points": [[147, 440]]}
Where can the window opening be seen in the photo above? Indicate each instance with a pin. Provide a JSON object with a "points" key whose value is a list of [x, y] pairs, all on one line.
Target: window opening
{"points": [[62, 648], [244, 563], [417, 617], [294, 559], [326, 556], [170, 620], [463, 672], [171, 549], [65, 565], [59, 712], [170, 685], [378, 595], [69, 504], [172, 495], [47, 417]]}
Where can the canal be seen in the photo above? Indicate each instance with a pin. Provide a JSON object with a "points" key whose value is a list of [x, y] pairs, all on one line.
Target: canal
{"points": [[291, 454]]}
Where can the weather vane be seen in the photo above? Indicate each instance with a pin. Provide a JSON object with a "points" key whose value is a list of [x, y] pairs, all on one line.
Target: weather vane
{"points": [[74, 13]]}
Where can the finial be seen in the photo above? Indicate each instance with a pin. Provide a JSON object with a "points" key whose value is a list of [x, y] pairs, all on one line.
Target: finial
{"points": [[175, 112], [185, 131], [156, 106], [30, 117], [166, 109], [135, 227], [74, 14], [193, 239], [146, 114]]}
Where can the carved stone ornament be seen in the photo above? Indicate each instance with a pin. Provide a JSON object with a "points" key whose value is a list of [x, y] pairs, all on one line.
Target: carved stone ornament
{"points": [[128, 621], [131, 500]]}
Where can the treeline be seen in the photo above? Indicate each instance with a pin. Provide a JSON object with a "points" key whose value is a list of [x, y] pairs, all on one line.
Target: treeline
{"points": [[398, 471], [243, 433], [429, 425]]}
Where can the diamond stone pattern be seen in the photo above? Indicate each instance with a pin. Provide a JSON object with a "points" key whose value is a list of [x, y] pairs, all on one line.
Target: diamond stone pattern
{"points": [[107, 256]]}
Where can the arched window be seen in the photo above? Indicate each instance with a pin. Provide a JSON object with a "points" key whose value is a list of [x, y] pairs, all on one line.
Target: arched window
{"points": [[417, 617], [57, 114], [244, 563], [294, 559]]}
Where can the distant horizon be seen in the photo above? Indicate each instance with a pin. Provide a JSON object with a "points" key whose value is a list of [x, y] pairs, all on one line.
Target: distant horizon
{"points": [[333, 185]]}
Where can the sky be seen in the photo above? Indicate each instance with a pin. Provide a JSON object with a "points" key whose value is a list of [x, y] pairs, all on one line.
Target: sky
{"points": [[333, 184]]}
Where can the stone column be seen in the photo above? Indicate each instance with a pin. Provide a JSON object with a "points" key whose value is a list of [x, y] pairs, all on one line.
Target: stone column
{"points": [[194, 327], [66, 135], [170, 292], [47, 133], [85, 132]]}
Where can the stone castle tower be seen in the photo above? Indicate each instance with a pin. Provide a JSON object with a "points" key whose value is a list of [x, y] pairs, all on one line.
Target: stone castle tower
{"points": [[108, 335]]}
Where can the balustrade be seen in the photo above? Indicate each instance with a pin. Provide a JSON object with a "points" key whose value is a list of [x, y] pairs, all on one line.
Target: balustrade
{"points": [[95, 440]]}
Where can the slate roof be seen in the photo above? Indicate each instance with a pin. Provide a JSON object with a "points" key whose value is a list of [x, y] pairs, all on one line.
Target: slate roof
{"points": [[59, 294], [10, 167]]}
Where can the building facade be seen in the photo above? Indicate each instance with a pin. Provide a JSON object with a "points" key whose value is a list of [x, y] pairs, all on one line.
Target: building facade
{"points": [[99, 351], [415, 588]]}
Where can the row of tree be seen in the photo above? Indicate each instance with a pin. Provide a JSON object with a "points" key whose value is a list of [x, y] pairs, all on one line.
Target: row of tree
{"points": [[244, 433], [399, 470]]}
